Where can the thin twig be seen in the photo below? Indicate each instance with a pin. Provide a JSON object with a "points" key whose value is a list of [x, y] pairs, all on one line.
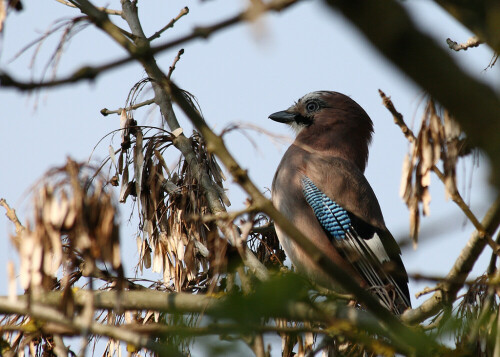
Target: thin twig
{"points": [[474, 41], [11, 215], [397, 116], [176, 59], [493, 61], [426, 291], [440, 279], [104, 9], [184, 11], [106, 111]]}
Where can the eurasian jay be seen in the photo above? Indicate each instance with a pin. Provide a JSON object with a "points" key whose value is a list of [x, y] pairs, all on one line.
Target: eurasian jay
{"points": [[320, 187]]}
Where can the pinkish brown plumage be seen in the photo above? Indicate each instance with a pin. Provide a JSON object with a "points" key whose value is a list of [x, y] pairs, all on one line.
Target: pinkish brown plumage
{"points": [[319, 185]]}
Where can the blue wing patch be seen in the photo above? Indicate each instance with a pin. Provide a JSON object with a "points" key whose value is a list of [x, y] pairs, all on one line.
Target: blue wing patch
{"points": [[330, 215], [366, 252]]}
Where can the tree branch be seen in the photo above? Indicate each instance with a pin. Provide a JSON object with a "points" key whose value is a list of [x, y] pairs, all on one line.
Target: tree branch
{"points": [[104, 9], [180, 303], [176, 59], [106, 111], [11, 215], [184, 11], [23, 307], [471, 42]]}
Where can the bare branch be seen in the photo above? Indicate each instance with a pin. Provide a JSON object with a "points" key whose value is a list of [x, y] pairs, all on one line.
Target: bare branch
{"points": [[104, 9], [105, 111], [474, 41], [176, 59], [397, 116], [426, 291], [180, 303], [171, 24], [12, 216]]}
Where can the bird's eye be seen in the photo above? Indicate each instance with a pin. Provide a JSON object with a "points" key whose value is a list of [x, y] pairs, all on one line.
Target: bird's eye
{"points": [[312, 106]]}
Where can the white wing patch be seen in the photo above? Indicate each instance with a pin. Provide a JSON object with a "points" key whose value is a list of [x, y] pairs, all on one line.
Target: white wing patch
{"points": [[376, 246]]}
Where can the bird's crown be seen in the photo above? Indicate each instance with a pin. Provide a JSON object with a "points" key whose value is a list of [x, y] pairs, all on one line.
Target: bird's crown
{"points": [[328, 121]]}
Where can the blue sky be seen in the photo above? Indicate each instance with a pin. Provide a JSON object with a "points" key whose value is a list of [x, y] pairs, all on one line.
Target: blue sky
{"points": [[241, 74]]}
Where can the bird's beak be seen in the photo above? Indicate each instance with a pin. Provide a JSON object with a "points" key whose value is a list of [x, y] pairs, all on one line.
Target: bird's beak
{"points": [[283, 117]]}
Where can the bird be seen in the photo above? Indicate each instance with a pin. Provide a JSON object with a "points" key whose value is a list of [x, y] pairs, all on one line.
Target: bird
{"points": [[320, 186]]}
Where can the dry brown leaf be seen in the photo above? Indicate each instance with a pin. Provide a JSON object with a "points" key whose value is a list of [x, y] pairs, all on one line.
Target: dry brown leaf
{"points": [[406, 176], [138, 163], [124, 190], [177, 132], [112, 155], [158, 259]]}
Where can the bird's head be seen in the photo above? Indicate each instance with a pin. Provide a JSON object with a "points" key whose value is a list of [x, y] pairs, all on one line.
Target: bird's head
{"points": [[330, 123]]}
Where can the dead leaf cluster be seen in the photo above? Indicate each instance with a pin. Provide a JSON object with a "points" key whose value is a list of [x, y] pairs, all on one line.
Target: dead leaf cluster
{"points": [[73, 233], [439, 139], [74, 228], [173, 239]]}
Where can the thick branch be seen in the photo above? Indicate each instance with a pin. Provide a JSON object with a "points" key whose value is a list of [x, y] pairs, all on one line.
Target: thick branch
{"points": [[183, 303], [23, 307]]}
